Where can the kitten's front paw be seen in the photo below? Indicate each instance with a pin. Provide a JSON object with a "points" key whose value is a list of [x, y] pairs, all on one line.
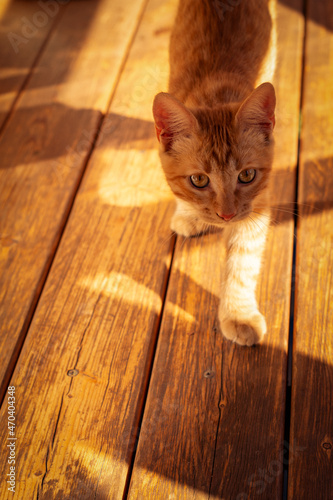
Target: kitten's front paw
{"points": [[244, 332], [186, 227]]}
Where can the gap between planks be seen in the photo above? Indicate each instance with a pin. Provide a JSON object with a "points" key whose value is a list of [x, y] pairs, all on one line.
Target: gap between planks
{"points": [[293, 277]]}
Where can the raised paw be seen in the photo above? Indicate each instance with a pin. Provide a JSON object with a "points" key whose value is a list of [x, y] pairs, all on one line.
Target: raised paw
{"points": [[244, 332], [185, 226]]}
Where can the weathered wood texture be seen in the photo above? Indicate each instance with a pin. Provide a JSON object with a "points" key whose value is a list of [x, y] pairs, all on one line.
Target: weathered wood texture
{"points": [[100, 308], [214, 417], [44, 148], [311, 459], [24, 28], [213, 425]]}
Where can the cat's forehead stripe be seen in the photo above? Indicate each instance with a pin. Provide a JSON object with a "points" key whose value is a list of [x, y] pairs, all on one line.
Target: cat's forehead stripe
{"points": [[218, 131], [221, 155], [208, 167]]}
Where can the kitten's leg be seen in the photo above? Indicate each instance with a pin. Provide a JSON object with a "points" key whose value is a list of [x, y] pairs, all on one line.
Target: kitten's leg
{"points": [[239, 316], [185, 220]]}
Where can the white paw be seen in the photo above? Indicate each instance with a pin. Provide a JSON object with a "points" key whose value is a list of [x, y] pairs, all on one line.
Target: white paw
{"points": [[247, 331], [186, 227]]}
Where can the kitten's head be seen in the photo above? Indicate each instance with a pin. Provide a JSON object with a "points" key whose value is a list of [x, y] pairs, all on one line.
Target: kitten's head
{"points": [[217, 159]]}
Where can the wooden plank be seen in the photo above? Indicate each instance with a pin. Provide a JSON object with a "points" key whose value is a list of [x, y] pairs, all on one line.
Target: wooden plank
{"points": [[44, 149], [213, 425], [24, 28], [311, 459], [99, 312]]}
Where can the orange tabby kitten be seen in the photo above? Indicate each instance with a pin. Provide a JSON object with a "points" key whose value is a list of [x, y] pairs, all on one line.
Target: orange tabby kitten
{"points": [[216, 146]]}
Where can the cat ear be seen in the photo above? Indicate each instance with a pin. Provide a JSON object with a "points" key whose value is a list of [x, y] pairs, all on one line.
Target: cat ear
{"points": [[172, 119], [258, 109]]}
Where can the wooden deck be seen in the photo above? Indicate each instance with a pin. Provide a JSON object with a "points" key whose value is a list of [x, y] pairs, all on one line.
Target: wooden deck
{"points": [[124, 387]]}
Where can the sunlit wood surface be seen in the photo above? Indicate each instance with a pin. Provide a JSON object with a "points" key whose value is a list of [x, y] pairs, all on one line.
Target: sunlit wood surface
{"points": [[124, 386]]}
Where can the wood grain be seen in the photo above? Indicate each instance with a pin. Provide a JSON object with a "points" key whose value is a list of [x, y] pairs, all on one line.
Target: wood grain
{"points": [[213, 425], [44, 149], [82, 373], [24, 28], [311, 459]]}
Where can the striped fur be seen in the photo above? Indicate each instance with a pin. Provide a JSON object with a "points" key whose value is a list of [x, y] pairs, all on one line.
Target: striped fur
{"points": [[214, 122]]}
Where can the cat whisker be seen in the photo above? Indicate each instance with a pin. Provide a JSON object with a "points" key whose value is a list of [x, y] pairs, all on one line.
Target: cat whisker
{"points": [[275, 223], [168, 238], [298, 203], [271, 222], [292, 212], [261, 214], [257, 224], [185, 238], [277, 209]]}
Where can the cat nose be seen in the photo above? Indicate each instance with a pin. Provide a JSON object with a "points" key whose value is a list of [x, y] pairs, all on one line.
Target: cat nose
{"points": [[226, 216]]}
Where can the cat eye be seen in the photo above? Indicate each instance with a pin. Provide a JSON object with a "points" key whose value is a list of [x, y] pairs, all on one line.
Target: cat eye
{"points": [[247, 176], [199, 180]]}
